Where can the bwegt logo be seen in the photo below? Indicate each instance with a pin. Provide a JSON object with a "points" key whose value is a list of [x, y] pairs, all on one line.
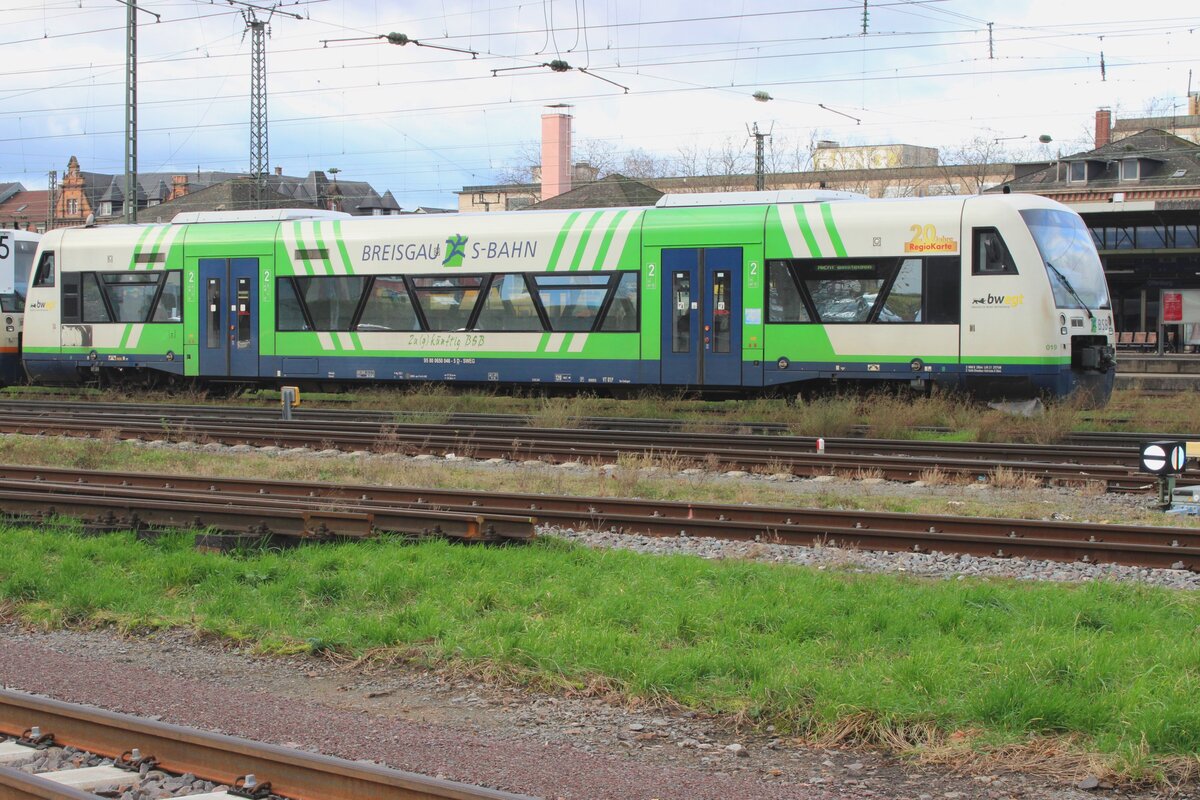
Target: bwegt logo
{"points": [[999, 300]]}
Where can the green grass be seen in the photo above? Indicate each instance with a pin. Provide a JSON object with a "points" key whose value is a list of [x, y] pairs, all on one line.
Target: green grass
{"points": [[1115, 667]]}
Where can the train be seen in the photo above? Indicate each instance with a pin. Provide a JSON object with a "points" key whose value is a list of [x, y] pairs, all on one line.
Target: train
{"points": [[1000, 295], [17, 250]]}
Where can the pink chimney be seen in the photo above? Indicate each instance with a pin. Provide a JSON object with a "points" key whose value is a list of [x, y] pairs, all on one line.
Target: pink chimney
{"points": [[1103, 127], [556, 151]]}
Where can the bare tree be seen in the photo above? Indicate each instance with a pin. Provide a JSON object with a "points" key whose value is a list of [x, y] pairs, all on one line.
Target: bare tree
{"points": [[688, 161], [640, 164], [523, 168], [987, 162], [731, 158]]}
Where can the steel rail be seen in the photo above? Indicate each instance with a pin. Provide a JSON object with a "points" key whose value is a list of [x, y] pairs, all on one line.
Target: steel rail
{"points": [[127, 507], [1107, 439], [223, 759], [1164, 547], [779, 453]]}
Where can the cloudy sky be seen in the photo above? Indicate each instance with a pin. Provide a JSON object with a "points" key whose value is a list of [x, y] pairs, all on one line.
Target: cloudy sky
{"points": [[423, 121]]}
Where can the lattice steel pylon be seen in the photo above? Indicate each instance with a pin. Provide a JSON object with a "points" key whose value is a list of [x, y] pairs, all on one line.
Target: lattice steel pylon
{"points": [[130, 210], [260, 160]]}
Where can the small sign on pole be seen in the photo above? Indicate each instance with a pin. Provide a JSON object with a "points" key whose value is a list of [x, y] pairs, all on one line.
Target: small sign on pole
{"points": [[1165, 460]]}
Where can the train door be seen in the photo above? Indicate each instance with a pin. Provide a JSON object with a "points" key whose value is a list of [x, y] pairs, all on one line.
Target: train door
{"points": [[229, 317], [702, 321]]}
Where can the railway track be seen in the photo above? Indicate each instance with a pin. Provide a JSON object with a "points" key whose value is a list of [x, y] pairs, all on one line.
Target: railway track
{"points": [[117, 504], [132, 751], [1145, 546], [901, 460]]}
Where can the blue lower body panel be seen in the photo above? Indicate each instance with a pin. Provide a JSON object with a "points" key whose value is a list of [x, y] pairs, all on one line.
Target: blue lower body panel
{"points": [[985, 381]]}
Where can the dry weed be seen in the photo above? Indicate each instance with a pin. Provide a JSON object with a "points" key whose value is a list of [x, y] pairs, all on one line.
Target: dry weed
{"points": [[1007, 478], [934, 476]]}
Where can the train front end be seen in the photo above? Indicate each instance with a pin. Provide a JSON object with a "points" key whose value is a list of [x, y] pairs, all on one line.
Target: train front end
{"points": [[1081, 318]]}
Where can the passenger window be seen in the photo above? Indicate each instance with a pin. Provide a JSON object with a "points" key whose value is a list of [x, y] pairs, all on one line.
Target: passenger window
{"points": [[991, 254], [94, 309], [447, 302], [130, 294], [903, 303], [168, 308], [508, 306], [45, 270], [388, 307], [784, 303], [572, 302], [289, 316], [944, 281], [331, 302], [623, 309]]}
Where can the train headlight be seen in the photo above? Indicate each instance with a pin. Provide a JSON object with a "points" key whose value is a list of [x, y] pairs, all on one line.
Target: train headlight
{"points": [[1062, 320], [1063, 330], [170, 355], [8, 320]]}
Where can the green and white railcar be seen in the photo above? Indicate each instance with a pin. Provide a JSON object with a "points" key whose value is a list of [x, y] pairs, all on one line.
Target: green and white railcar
{"points": [[1003, 295]]}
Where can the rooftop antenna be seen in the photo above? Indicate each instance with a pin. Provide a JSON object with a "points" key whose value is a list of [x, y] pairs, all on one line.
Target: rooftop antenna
{"points": [[259, 28]]}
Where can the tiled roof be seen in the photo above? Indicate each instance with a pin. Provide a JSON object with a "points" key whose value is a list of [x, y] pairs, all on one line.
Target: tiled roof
{"points": [[230, 195], [612, 191], [24, 208], [1176, 165]]}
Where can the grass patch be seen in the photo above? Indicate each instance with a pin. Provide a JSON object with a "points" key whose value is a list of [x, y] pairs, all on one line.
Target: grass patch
{"points": [[846, 657]]}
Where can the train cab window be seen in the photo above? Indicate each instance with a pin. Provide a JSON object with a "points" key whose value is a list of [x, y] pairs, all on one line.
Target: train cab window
{"points": [[508, 306], [94, 307], [447, 301], [388, 306], [572, 302], [622, 314], [45, 270], [784, 303], [25, 250], [903, 301], [991, 254]]}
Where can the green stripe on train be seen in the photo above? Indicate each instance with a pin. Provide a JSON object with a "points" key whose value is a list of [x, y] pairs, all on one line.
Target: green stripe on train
{"points": [[807, 232], [607, 241], [831, 229], [561, 241], [581, 246]]}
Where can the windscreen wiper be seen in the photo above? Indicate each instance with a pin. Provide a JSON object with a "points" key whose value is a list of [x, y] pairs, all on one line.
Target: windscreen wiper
{"points": [[1071, 289]]}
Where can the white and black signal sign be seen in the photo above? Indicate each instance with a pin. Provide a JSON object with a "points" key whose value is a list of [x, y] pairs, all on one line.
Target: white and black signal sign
{"points": [[1164, 458]]}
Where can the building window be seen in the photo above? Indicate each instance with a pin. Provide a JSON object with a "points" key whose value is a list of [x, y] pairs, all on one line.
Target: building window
{"points": [[105, 208], [1129, 169], [1078, 172], [72, 208], [376, 212]]}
